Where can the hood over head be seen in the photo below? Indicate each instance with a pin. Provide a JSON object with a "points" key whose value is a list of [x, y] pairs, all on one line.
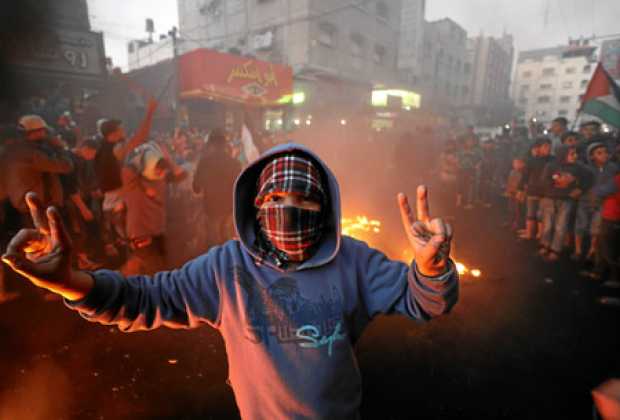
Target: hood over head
{"points": [[245, 212]]}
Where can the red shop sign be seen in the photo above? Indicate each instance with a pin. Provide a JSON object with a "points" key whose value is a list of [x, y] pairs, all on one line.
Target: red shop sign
{"points": [[210, 74]]}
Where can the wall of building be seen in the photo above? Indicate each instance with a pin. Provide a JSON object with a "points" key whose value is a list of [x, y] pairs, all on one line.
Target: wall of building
{"points": [[549, 82], [444, 56], [411, 40], [334, 37]]}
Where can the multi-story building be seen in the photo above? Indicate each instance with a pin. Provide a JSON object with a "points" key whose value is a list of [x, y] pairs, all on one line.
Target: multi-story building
{"points": [[549, 82], [60, 58], [443, 83], [489, 67], [333, 46], [411, 40], [610, 57]]}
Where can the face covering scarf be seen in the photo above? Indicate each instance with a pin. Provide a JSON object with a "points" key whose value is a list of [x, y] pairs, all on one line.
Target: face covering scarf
{"points": [[288, 233], [291, 231]]}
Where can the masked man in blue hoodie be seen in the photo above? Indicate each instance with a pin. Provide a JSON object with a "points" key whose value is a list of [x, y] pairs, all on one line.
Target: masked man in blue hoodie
{"points": [[290, 297]]}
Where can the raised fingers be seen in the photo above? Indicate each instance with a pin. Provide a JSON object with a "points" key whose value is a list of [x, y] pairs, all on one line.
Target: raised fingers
{"points": [[422, 204], [36, 212], [406, 214], [58, 232]]}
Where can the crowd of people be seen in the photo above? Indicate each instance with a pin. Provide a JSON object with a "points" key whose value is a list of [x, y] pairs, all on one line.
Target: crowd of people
{"points": [[562, 189], [129, 202]]}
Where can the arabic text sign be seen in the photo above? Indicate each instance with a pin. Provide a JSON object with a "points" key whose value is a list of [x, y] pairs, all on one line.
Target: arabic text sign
{"points": [[207, 73]]}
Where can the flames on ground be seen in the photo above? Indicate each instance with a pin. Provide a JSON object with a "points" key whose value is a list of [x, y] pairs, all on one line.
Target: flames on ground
{"points": [[368, 230]]}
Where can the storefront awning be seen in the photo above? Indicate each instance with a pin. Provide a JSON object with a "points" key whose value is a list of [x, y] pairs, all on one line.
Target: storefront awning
{"points": [[218, 76]]}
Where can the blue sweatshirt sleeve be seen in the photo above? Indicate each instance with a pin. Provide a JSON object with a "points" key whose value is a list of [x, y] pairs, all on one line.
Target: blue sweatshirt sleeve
{"points": [[181, 298], [391, 287]]}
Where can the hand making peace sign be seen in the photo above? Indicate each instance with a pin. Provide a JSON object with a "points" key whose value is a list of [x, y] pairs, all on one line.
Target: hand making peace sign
{"points": [[429, 238]]}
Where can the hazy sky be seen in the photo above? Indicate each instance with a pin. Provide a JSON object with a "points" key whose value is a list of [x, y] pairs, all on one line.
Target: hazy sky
{"points": [[534, 23]]}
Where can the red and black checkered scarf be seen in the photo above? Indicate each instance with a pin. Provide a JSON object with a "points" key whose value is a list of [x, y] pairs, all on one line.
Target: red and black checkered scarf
{"points": [[288, 233]]}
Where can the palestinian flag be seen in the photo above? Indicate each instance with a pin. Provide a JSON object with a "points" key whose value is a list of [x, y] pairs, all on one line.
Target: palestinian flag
{"points": [[602, 99]]}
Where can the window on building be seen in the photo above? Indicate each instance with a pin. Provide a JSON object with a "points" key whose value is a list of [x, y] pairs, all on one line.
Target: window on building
{"points": [[130, 48], [587, 68], [379, 54], [544, 99], [548, 71], [571, 70], [584, 83], [527, 74], [525, 88], [567, 85], [564, 99], [327, 34], [562, 112], [382, 10], [546, 86], [523, 101]]}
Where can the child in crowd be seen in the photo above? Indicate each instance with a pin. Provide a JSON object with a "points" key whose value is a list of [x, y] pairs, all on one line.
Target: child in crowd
{"points": [[488, 165], [531, 189], [470, 158], [589, 206], [512, 188], [565, 181]]}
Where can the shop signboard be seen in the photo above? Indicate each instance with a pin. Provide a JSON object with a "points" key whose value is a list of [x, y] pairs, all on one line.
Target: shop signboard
{"points": [[218, 76], [62, 51]]}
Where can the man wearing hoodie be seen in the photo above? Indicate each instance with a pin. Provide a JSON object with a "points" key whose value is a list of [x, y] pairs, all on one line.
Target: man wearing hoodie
{"points": [[290, 297], [589, 205], [565, 181]]}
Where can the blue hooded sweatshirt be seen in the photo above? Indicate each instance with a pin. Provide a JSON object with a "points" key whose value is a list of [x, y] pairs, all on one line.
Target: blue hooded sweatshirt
{"points": [[289, 334]]}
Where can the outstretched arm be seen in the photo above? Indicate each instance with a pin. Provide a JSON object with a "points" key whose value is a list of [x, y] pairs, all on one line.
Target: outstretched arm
{"points": [[122, 150], [179, 299], [428, 287]]}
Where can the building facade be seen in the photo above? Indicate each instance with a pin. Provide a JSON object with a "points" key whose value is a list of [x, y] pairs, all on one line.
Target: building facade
{"points": [[54, 66], [338, 49], [489, 68], [549, 82], [444, 83], [610, 57], [411, 41]]}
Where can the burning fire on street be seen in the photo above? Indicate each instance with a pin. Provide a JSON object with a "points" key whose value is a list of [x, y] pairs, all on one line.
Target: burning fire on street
{"points": [[366, 229]]}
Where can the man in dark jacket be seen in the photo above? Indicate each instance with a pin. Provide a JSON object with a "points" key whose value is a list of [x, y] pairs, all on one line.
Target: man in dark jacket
{"points": [[290, 297]]}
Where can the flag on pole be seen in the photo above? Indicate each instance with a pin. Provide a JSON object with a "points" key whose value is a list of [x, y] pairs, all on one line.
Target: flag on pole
{"points": [[251, 152], [602, 98]]}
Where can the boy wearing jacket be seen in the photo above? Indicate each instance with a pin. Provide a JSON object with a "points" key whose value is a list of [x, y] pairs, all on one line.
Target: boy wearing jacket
{"points": [[290, 297], [589, 205], [565, 181], [532, 188]]}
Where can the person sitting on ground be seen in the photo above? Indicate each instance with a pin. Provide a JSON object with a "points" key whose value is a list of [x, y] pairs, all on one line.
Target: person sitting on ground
{"points": [[290, 297]]}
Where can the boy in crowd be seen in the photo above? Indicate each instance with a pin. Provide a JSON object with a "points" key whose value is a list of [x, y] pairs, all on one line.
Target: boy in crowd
{"points": [[559, 127], [589, 206], [512, 189], [608, 265], [531, 188], [470, 158], [565, 181], [290, 297]]}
